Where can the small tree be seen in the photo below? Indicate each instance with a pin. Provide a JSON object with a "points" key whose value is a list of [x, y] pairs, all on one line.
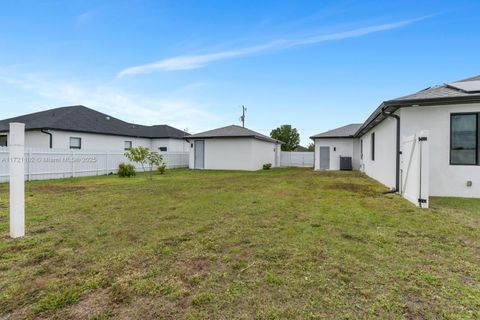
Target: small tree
{"points": [[311, 146], [145, 157], [288, 135]]}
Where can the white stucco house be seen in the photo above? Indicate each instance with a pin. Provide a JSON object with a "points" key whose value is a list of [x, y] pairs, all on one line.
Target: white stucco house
{"points": [[429, 139], [233, 148], [82, 128]]}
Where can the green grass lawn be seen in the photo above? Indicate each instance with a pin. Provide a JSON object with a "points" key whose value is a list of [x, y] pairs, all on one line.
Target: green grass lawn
{"points": [[277, 244]]}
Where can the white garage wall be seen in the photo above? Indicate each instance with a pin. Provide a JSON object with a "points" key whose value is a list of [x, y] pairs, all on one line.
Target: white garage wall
{"points": [[264, 152], [445, 179], [229, 154], [236, 154], [344, 147], [383, 168]]}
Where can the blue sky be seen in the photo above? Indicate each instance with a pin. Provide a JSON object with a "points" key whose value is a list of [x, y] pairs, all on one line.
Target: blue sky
{"points": [[314, 64]]}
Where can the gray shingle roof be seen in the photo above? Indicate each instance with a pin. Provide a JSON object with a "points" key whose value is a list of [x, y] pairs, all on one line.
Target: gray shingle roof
{"points": [[83, 119], [232, 131], [441, 91], [347, 131], [438, 95]]}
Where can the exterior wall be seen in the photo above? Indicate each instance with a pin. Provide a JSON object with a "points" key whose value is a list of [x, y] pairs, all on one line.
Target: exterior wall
{"points": [[265, 152], [99, 142], [344, 147], [91, 141], [37, 139], [445, 179], [173, 145], [236, 154], [383, 168]]}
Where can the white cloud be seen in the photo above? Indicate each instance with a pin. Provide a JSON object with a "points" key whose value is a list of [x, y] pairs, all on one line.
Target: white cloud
{"points": [[175, 110], [188, 62]]}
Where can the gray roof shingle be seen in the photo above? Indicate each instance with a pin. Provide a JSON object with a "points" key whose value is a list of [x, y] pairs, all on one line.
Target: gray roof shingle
{"points": [[347, 131], [232, 131], [83, 119], [441, 91], [437, 95]]}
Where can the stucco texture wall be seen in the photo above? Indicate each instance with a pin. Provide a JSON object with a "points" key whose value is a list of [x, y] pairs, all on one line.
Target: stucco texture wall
{"points": [[339, 147], [236, 154], [383, 168], [99, 142], [445, 179]]}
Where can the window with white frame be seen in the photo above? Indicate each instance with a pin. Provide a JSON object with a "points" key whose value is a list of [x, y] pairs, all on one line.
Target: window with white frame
{"points": [[127, 145], [75, 143], [464, 138]]}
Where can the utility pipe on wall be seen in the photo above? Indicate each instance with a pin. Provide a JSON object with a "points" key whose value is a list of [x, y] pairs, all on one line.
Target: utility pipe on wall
{"points": [[397, 158]]}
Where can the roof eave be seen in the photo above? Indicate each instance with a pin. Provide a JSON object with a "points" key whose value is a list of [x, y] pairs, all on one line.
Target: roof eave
{"points": [[225, 137], [332, 137], [394, 105]]}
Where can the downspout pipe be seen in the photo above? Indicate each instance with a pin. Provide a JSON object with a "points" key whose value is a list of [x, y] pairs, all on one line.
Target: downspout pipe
{"points": [[397, 164], [51, 136]]}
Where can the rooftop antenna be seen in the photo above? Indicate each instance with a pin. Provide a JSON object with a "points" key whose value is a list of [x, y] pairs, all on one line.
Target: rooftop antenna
{"points": [[242, 118]]}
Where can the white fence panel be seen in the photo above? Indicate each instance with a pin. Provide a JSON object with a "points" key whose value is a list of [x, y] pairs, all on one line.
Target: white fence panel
{"points": [[297, 159], [415, 170], [43, 164]]}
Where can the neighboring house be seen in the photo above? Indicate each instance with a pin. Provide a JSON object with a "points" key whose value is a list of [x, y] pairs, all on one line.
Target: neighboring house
{"points": [[78, 127], [448, 114], [233, 148]]}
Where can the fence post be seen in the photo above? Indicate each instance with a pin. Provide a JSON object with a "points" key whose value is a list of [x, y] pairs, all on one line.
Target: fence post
{"points": [[73, 164], [29, 170], [106, 163], [17, 179]]}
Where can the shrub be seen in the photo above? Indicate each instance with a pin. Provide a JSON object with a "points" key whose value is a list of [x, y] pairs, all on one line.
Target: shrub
{"points": [[145, 157], [162, 168], [267, 166], [126, 170]]}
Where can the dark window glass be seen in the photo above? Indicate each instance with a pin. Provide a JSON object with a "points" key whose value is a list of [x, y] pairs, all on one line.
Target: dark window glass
{"points": [[163, 149], [3, 141], [373, 146], [464, 137], [361, 149], [75, 143]]}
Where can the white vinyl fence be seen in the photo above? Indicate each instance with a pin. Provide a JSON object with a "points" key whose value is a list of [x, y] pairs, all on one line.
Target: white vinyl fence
{"points": [[296, 159], [415, 170], [42, 164]]}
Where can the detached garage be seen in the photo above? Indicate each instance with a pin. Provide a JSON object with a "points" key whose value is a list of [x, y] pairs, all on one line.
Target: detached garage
{"points": [[233, 148]]}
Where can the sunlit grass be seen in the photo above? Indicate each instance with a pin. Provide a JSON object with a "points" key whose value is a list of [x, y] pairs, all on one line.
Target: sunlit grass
{"points": [[276, 244]]}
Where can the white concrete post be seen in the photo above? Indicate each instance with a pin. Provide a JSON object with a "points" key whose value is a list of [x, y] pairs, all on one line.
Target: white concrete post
{"points": [[16, 145]]}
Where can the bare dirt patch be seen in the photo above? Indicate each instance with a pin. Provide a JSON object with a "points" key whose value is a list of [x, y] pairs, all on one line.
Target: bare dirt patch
{"points": [[94, 304]]}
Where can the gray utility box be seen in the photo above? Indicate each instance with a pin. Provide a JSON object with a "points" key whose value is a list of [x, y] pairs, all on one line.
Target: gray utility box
{"points": [[346, 163]]}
